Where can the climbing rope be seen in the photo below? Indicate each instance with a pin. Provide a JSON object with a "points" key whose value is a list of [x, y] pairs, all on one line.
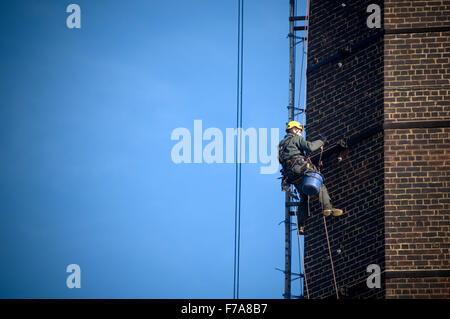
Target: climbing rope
{"points": [[326, 230], [301, 73], [306, 66], [331, 258], [303, 83]]}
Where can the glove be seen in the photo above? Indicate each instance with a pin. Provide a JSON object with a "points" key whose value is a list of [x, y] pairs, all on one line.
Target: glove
{"points": [[323, 139]]}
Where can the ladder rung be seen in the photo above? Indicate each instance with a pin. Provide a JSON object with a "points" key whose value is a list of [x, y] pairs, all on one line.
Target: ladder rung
{"points": [[301, 28], [297, 18], [288, 204]]}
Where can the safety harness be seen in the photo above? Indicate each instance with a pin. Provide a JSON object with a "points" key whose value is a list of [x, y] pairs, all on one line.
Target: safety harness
{"points": [[287, 175]]}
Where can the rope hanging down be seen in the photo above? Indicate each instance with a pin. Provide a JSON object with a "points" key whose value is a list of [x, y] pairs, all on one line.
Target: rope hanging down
{"points": [[237, 207], [326, 233], [303, 124], [306, 66], [331, 258], [302, 86]]}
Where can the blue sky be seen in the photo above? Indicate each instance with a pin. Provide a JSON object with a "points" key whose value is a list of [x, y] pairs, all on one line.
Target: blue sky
{"points": [[86, 174]]}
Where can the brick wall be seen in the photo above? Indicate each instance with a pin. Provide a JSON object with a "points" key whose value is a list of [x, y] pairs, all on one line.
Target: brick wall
{"points": [[421, 288], [343, 100], [417, 174], [393, 181]]}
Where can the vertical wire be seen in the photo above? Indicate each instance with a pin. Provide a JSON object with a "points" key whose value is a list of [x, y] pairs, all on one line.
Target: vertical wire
{"points": [[237, 160], [238, 150], [306, 66], [301, 281], [303, 53]]}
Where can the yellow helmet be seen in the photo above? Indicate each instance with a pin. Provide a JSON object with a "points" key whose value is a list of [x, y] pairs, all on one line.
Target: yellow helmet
{"points": [[293, 124]]}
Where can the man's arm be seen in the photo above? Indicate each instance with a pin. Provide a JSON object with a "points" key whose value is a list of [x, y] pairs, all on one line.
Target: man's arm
{"points": [[308, 146]]}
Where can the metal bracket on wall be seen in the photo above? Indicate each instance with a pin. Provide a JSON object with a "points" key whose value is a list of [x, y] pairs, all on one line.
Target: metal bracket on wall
{"points": [[417, 273], [417, 124], [417, 30], [348, 50], [347, 142]]}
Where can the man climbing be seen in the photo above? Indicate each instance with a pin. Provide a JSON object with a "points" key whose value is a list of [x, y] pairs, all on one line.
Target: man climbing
{"points": [[292, 150]]}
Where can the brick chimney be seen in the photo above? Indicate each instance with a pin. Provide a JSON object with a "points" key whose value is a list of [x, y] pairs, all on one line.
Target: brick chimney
{"points": [[382, 98]]}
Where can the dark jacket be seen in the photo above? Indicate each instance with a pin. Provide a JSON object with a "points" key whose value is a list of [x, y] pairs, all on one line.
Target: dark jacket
{"points": [[293, 146]]}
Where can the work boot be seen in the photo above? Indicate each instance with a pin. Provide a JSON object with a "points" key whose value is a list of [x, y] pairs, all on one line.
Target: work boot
{"points": [[336, 212], [327, 211]]}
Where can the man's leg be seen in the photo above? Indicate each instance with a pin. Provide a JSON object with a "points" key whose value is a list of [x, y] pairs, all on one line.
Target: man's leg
{"points": [[325, 201], [324, 198]]}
